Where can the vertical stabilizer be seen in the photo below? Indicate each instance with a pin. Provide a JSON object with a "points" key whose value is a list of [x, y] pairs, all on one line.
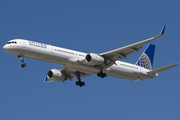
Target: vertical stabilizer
{"points": [[146, 59]]}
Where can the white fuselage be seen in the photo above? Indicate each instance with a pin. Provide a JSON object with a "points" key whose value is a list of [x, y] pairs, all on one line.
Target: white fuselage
{"points": [[71, 58]]}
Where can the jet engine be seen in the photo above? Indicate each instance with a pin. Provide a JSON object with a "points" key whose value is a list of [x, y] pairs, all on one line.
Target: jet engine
{"points": [[94, 59], [55, 75]]}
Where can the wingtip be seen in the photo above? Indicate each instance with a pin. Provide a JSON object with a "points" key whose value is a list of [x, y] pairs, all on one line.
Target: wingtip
{"points": [[45, 79], [162, 32], [176, 64]]}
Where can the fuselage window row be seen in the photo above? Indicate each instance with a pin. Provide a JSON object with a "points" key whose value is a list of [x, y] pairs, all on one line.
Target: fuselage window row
{"points": [[64, 51]]}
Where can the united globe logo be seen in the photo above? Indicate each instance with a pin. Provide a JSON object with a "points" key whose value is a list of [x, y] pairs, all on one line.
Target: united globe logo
{"points": [[144, 62]]}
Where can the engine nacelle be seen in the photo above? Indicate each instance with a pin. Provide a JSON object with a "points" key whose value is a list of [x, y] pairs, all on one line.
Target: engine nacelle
{"points": [[94, 59], [56, 75]]}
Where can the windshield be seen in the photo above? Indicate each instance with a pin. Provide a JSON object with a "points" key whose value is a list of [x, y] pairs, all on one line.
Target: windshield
{"points": [[14, 42]]}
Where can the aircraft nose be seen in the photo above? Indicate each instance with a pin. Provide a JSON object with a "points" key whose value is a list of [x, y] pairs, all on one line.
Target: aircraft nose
{"points": [[5, 47]]}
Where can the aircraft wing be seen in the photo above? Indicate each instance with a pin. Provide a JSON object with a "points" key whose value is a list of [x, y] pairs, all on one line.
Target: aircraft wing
{"points": [[123, 52]]}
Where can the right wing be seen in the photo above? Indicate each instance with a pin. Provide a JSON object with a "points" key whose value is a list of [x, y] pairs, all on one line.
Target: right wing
{"points": [[122, 53], [129, 49]]}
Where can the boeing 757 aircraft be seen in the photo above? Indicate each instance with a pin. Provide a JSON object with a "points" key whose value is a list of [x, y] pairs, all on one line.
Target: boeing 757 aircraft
{"points": [[79, 64]]}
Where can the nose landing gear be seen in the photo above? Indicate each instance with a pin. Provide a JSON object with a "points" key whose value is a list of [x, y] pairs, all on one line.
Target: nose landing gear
{"points": [[23, 65], [22, 60]]}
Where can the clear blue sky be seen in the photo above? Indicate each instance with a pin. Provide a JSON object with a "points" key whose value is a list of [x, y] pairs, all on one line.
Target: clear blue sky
{"points": [[92, 26]]}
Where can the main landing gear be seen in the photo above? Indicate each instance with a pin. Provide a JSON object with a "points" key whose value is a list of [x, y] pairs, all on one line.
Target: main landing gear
{"points": [[79, 82], [101, 74], [22, 60]]}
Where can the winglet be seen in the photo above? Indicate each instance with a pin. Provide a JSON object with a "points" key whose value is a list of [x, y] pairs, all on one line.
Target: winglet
{"points": [[46, 79], [161, 34], [162, 31]]}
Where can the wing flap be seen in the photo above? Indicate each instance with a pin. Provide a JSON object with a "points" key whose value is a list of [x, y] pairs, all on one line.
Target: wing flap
{"points": [[131, 51]]}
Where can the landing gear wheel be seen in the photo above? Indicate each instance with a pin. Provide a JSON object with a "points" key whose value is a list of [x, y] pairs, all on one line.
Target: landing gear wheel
{"points": [[101, 74], [98, 74], [80, 83], [83, 83], [22, 60], [77, 82], [23, 65], [104, 75]]}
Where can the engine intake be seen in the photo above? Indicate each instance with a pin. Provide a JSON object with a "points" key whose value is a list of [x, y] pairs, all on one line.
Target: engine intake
{"points": [[94, 59]]}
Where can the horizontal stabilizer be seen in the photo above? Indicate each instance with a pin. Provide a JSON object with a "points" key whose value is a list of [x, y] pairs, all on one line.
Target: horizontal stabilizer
{"points": [[162, 69]]}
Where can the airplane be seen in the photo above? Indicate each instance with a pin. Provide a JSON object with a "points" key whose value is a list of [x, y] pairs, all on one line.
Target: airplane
{"points": [[79, 64]]}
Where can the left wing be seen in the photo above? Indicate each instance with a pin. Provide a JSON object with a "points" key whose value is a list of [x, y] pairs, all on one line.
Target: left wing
{"points": [[123, 52]]}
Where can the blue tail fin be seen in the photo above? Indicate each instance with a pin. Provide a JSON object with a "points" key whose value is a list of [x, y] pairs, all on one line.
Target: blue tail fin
{"points": [[146, 59]]}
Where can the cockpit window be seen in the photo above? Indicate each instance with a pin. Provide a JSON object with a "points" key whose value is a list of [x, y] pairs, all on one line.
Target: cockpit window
{"points": [[14, 42]]}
